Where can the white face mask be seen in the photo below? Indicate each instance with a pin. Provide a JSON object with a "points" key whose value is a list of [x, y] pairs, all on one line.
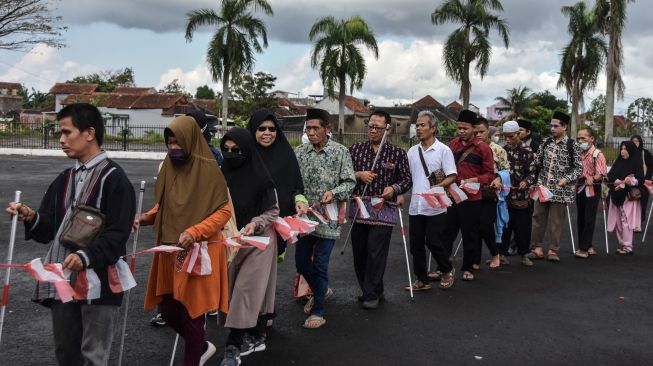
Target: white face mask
{"points": [[585, 146], [495, 138]]}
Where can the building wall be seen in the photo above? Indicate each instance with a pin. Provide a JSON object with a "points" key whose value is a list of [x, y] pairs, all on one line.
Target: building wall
{"points": [[10, 103], [331, 105]]}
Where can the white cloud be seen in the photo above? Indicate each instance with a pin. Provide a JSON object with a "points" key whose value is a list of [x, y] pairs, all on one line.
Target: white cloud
{"points": [[190, 79], [42, 67]]}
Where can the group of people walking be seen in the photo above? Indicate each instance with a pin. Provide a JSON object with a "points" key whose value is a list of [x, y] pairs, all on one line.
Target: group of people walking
{"points": [[204, 195]]}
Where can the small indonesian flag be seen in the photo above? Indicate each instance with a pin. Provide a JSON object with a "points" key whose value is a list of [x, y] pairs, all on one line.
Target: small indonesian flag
{"points": [[377, 202], [233, 242], [619, 184], [260, 242], [588, 189], [198, 262], [471, 188], [301, 225], [362, 210], [441, 196], [161, 249], [120, 277], [318, 216], [52, 273], [335, 211], [430, 199], [649, 184], [87, 285], [285, 230], [456, 193], [541, 193]]}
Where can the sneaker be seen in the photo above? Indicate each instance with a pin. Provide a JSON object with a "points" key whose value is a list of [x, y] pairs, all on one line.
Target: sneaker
{"points": [[210, 351], [212, 313], [526, 261], [252, 344], [231, 356], [157, 321], [371, 304], [418, 286]]}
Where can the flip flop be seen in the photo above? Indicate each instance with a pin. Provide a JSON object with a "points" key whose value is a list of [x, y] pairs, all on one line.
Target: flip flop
{"points": [[312, 320]]}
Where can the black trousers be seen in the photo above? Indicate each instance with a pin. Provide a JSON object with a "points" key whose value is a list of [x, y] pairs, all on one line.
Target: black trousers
{"points": [[644, 202], [466, 218], [587, 207], [486, 229], [370, 245], [428, 231], [520, 223]]}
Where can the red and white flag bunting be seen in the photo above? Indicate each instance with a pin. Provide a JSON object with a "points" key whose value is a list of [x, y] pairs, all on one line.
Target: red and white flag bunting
{"points": [[649, 184], [159, 249], [318, 215], [53, 273], [120, 277], [301, 225], [377, 202], [362, 210], [471, 188], [589, 190], [260, 242], [285, 230], [87, 285], [335, 211], [456, 193], [619, 184], [541, 193], [436, 197], [198, 262]]}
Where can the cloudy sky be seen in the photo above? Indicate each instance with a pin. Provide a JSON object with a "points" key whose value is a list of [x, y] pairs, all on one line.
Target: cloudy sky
{"points": [[148, 35]]}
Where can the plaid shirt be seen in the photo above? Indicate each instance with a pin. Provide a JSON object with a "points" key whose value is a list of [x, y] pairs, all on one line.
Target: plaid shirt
{"points": [[554, 164], [522, 169], [391, 168]]}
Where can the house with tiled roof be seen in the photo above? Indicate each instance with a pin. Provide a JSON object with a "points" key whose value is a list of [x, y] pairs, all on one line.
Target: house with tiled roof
{"points": [[61, 91], [10, 101], [134, 90], [356, 112]]}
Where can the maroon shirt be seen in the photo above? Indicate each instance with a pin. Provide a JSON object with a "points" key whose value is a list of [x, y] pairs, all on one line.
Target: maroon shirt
{"points": [[392, 168], [479, 163]]}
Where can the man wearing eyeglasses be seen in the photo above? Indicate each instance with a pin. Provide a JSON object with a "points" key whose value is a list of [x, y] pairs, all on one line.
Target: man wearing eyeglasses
{"points": [[328, 178], [559, 165], [387, 180]]}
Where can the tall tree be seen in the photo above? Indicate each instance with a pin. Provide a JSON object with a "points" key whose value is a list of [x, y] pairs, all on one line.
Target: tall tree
{"points": [[26, 23], [175, 87], [470, 42], [236, 39], [337, 55], [204, 92], [582, 58], [518, 101], [611, 20], [550, 101], [107, 80], [252, 93]]}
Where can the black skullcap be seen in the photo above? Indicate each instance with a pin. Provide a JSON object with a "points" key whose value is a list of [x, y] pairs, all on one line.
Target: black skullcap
{"points": [[563, 118], [525, 124], [316, 113], [467, 116]]}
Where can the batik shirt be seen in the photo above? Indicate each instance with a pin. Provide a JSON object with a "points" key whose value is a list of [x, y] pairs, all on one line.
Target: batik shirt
{"points": [[500, 157], [522, 169], [391, 171], [554, 164], [329, 169]]}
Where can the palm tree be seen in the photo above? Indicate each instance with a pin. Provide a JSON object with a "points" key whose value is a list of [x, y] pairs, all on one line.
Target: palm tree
{"points": [[469, 43], [582, 58], [337, 54], [231, 50], [611, 19], [518, 102]]}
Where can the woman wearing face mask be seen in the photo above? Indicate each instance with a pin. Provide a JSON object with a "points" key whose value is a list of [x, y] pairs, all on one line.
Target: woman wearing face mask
{"points": [[192, 206], [281, 161], [625, 178], [253, 272], [588, 191], [647, 165]]}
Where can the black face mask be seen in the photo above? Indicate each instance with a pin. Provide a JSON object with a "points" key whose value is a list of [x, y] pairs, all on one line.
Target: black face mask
{"points": [[232, 159], [177, 156]]}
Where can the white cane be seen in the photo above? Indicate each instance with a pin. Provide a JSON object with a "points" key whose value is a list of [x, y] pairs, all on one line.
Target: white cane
{"points": [[648, 221], [403, 235], [458, 247], [133, 260], [605, 228], [571, 231], [10, 256], [428, 269], [174, 350], [376, 158]]}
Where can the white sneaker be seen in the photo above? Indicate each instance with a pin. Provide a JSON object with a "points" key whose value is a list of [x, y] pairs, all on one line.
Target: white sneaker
{"points": [[210, 351]]}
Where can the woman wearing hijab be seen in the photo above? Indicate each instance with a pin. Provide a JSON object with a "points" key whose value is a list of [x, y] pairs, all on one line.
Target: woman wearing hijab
{"points": [[647, 165], [625, 177], [253, 272], [281, 161], [192, 206]]}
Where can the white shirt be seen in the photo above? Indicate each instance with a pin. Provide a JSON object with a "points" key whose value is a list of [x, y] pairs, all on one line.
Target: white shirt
{"points": [[437, 156]]}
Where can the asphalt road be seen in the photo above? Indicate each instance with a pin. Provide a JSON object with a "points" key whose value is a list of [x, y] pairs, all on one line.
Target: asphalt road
{"points": [[576, 312]]}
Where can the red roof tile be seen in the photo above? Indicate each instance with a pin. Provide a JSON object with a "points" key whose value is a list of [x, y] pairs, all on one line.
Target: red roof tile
{"points": [[455, 106], [10, 86], [133, 90], [153, 101], [427, 101], [355, 105], [73, 88]]}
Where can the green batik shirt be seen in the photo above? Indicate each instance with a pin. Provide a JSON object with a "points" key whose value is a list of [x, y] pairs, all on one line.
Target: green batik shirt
{"points": [[329, 169]]}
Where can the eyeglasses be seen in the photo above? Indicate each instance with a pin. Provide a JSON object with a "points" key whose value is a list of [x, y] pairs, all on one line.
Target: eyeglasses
{"points": [[555, 126], [264, 128], [313, 128], [375, 128], [234, 150]]}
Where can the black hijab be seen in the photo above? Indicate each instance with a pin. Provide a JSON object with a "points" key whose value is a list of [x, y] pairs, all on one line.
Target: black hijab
{"points": [[281, 161], [250, 184], [623, 168]]}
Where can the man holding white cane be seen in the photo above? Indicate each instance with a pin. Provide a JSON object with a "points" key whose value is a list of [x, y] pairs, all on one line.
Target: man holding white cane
{"points": [[377, 189], [83, 329]]}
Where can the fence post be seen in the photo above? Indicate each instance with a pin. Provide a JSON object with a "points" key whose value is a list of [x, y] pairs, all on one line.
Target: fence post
{"points": [[45, 133], [125, 132]]}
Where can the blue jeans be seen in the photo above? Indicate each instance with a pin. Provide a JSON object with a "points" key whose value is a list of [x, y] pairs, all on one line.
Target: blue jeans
{"points": [[315, 270]]}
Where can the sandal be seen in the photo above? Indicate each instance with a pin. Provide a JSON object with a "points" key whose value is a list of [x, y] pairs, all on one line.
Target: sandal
{"points": [[591, 251], [447, 281], [581, 254], [434, 276], [624, 251], [476, 266], [314, 322], [468, 276], [309, 304], [552, 256], [534, 254]]}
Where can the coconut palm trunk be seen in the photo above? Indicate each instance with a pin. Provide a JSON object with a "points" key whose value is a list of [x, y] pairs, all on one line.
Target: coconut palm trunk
{"points": [[225, 99], [609, 95]]}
